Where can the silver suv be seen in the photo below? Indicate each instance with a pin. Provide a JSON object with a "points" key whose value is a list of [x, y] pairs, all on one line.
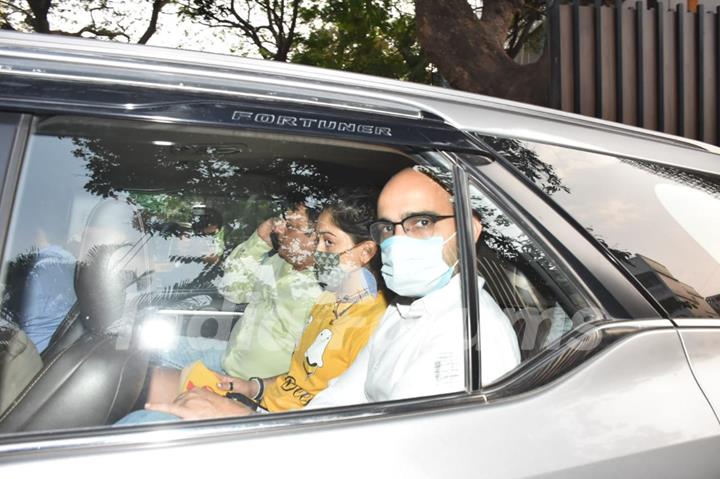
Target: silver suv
{"points": [[129, 174]]}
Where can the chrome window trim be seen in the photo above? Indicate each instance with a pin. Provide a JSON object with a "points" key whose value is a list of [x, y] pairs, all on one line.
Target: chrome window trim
{"points": [[214, 91], [468, 275], [712, 323], [21, 446]]}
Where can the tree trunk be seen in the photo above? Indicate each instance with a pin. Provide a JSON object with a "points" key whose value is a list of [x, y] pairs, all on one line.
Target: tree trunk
{"points": [[470, 52], [39, 20]]}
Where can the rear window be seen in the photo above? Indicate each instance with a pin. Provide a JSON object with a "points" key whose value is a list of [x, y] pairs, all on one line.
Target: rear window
{"points": [[660, 222]]}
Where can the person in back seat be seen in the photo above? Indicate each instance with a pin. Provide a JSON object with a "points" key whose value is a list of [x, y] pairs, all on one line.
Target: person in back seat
{"points": [[46, 290], [272, 273]]}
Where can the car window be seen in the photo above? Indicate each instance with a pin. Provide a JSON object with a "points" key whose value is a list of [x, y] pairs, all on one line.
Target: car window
{"points": [[139, 250], [529, 285], [660, 222]]}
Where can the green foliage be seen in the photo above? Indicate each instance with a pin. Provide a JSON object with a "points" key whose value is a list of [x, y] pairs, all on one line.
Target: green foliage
{"points": [[368, 36]]}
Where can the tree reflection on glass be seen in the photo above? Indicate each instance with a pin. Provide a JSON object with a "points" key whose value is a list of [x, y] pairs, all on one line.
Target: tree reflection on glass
{"points": [[167, 182], [638, 186], [542, 174]]}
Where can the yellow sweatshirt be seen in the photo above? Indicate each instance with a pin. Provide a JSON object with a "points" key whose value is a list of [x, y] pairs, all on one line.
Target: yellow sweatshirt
{"points": [[335, 334]]}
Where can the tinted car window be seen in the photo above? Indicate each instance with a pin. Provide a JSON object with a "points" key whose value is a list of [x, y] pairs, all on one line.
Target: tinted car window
{"points": [[660, 222], [136, 246], [538, 296]]}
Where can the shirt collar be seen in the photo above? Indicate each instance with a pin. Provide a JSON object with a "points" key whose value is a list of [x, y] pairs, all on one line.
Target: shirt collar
{"points": [[435, 303]]}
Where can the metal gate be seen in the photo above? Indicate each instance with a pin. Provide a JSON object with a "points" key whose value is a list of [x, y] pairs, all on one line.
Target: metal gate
{"points": [[651, 67]]}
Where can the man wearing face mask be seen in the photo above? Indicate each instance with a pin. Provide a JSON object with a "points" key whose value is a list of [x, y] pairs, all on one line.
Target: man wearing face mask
{"points": [[271, 272]]}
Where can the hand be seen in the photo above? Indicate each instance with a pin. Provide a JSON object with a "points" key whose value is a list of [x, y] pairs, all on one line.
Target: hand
{"points": [[232, 384], [267, 227], [200, 403]]}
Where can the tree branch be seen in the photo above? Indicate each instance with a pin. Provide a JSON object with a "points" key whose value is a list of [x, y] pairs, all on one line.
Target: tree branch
{"points": [[152, 26], [246, 27], [98, 32]]}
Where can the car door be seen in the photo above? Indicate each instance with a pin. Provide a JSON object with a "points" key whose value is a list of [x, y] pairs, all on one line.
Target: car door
{"points": [[109, 196]]}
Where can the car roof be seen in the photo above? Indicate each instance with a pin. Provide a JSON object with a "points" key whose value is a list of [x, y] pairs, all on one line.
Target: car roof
{"points": [[62, 57]]}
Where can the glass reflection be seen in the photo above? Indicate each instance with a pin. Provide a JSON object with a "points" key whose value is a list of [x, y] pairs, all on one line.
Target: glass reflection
{"points": [[659, 221]]}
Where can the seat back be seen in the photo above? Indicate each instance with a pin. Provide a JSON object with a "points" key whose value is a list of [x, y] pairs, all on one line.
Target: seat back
{"points": [[532, 317], [19, 362], [90, 383], [92, 375]]}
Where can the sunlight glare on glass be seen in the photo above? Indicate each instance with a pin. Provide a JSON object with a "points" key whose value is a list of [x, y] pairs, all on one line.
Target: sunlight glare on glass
{"points": [[696, 211], [158, 333]]}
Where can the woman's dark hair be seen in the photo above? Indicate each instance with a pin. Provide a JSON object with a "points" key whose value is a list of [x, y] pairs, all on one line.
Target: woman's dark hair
{"points": [[353, 212]]}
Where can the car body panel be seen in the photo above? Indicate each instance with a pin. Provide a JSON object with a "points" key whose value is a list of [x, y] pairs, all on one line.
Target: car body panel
{"points": [[702, 345], [617, 405]]}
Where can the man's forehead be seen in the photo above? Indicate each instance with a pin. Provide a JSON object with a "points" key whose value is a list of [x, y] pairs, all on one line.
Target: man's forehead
{"points": [[296, 213], [399, 204]]}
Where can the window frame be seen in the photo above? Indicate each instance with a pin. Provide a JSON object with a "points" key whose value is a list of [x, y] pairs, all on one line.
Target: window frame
{"points": [[17, 445], [589, 264], [584, 263], [10, 167]]}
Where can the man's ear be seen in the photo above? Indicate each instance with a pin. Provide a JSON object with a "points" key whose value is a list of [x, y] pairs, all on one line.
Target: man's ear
{"points": [[477, 227]]}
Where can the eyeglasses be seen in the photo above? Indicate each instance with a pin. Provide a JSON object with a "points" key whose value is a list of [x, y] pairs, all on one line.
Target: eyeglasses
{"points": [[416, 226]]}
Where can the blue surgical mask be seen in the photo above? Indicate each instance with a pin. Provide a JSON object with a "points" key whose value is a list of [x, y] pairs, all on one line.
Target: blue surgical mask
{"points": [[414, 267]]}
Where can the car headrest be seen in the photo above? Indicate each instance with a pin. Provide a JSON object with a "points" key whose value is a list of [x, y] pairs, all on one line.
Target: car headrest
{"points": [[112, 258]]}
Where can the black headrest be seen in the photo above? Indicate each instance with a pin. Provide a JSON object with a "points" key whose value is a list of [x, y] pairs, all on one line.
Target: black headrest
{"points": [[112, 257], [101, 286]]}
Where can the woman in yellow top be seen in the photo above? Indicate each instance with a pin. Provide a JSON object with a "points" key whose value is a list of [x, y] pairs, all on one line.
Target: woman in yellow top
{"points": [[339, 326], [343, 318]]}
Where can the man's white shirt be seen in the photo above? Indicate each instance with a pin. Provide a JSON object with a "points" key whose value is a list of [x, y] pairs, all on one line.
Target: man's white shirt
{"points": [[419, 350]]}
